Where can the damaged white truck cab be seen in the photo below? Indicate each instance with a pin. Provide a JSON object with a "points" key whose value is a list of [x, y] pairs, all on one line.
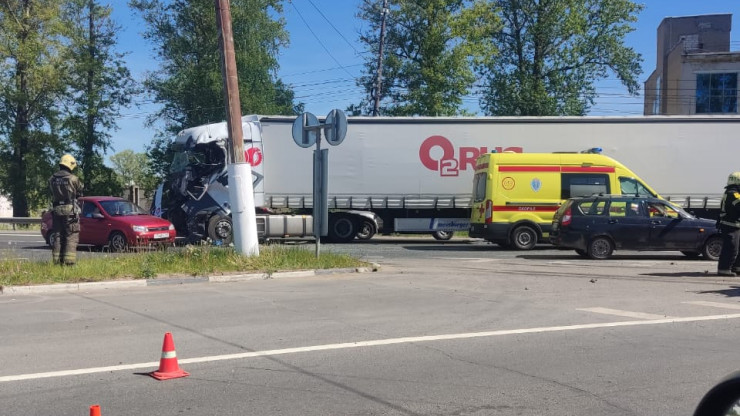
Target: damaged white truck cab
{"points": [[195, 196]]}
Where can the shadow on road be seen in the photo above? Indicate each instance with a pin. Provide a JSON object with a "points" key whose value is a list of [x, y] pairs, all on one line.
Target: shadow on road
{"points": [[662, 257], [731, 292]]}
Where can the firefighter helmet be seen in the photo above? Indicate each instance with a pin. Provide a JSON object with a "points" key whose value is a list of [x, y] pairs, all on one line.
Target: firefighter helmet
{"points": [[734, 178], [68, 161]]}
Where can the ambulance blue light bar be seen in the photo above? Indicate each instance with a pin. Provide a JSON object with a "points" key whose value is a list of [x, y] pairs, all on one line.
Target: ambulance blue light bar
{"points": [[596, 150]]}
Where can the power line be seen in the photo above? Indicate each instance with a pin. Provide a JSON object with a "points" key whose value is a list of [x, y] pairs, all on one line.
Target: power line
{"points": [[319, 40], [334, 27]]}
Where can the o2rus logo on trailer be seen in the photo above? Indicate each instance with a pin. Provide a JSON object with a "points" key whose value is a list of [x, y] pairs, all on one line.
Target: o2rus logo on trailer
{"points": [[448, 164]]}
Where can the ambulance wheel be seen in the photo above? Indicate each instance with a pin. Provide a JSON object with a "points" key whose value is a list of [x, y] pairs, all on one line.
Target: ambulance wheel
{"points": [[220, 229], [600, 248], [342, 229], [442, 235], [524, 237]]}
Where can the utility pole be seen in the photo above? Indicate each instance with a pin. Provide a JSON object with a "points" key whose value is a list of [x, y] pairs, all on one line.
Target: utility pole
{"points": [[241, 192], [231, 82], [378, 86]]}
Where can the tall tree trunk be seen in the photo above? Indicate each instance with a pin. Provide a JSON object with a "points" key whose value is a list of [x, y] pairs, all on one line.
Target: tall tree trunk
{"points": [[19, 137]]}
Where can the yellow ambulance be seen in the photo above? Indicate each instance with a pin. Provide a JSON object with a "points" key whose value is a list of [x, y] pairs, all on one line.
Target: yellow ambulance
{"points": [[515, 195]]}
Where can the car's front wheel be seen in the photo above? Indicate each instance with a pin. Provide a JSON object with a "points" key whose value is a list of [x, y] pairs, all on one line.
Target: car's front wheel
{"points": [[117, 242], [600, 248], [53, 236], [712, 248]]}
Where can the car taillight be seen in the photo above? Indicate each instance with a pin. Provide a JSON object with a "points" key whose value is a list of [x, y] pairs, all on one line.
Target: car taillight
{"points": [[565, 220], [489, 211]]}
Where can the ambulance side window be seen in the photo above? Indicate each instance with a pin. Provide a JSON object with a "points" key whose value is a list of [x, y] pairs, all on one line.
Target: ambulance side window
{"points": [[479, 186], [579, 184], [631, 186]]}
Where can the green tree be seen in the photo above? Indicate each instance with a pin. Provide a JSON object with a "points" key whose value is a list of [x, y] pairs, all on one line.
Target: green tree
{"points": [[428, 53], [32, 80], [189, 84], [100, 84], [553, 51], [131, 169]]}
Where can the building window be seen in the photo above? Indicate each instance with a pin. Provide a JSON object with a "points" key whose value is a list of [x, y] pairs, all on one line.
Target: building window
{"points": [[716, 93]]}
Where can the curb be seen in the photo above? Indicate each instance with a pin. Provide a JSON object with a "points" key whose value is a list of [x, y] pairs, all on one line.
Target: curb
{"points": [[121, 284]]}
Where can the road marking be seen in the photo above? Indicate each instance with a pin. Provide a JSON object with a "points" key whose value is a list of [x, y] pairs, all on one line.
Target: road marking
{"points": [[715, 304], [628, 314], [372, 343]]}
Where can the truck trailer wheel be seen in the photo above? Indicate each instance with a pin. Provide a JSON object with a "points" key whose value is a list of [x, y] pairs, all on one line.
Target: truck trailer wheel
{"points": [[220, 229], [524, 237], [442, 235], [366, 231], [342, 229]]}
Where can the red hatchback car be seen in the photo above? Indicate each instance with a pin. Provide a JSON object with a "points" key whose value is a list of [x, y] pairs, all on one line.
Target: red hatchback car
{"points": [[116, 223]]}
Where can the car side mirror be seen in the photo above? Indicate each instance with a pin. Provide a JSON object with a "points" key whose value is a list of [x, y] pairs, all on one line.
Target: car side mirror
{"points": [[97, 215], [723, 399]]}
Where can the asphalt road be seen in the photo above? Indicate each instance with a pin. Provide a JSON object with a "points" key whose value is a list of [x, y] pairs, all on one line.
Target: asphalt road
{"points": [[443, 329]]}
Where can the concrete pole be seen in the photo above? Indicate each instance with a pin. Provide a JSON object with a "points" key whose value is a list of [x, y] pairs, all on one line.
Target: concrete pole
{"points": [[241, 192]]}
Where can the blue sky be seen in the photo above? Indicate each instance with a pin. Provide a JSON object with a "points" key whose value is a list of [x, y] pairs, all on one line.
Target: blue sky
{"points": [[324, 57]]}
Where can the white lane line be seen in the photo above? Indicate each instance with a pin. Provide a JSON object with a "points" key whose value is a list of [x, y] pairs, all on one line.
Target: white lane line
{"points": [[715, 304], [373, 343], [628, 314]]}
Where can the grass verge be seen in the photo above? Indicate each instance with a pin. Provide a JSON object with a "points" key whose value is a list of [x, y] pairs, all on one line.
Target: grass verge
{"points": [[188, 261]]}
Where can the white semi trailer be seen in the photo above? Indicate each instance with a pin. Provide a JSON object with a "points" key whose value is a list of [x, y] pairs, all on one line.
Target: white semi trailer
{"points": [[397, 174]]}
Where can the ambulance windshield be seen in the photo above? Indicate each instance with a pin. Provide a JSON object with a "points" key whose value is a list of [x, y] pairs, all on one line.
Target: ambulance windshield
{"points": [[631, 186]]}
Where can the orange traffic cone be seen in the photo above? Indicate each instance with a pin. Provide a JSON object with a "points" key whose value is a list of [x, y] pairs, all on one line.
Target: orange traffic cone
{"points": [[168, 367], [95, 410]]}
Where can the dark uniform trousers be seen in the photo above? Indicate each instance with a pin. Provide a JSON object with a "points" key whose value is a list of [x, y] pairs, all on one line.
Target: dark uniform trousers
{"points": [[66, 224], [728, 258]]}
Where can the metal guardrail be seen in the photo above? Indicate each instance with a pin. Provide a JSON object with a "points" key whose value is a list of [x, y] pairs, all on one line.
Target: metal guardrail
{"points": [[20, 220]]}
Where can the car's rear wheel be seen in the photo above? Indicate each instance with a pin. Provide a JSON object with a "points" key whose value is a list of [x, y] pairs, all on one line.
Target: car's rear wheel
{"points": [[524, 237], [712, 248], [117, 242], [600, 248], [442, 235]]}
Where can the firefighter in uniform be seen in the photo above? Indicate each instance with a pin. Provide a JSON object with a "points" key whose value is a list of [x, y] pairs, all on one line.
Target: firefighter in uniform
{"points": [[729, 226], [65, 189]]}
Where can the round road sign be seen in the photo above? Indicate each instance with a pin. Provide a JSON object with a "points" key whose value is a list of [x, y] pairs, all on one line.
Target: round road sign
{"points": [[303, 137], [336, 127]]}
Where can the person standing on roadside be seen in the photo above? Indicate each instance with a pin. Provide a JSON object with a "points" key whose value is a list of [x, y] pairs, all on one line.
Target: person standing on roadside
{"points": [[729, 226], [65, 189]]}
